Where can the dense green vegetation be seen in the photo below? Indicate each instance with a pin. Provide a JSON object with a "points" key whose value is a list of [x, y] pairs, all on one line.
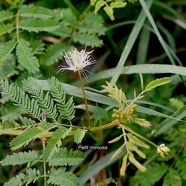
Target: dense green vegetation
{"points": [[92, 92]]}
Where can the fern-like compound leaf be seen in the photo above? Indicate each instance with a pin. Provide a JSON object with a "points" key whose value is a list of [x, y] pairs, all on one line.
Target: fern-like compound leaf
{"points": [[30, 176], [63, 157], [26, 57], [6, 28], [172, 178], [20, 158], [55, 142], [87, 39], [53, 54], [30, 134], [27, 121], [8, 124], [21, 99], [38, 25], [116, 93], [36, 12], [79, 135], [65, 108], [61, 177], [6, 49], [4, 15], [45, 102], [155, 172], [92, 24]]}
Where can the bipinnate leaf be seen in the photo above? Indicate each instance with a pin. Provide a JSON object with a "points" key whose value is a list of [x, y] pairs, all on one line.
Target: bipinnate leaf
{"points": [[6, 49], [177, 103], [30, 134], [27, 121], [5, 15], [63, 157], [92, 24], [172, 178], [6, 28], [79, 135], [21, 99], [61, 177], [53, 54], [46, 103], [31, 175], [55, 142], [38, 25], [116, 93], [87, 39], [65, 107], [155, 171], [20, 158], [36, 12], [156, 83], [26, 57]]}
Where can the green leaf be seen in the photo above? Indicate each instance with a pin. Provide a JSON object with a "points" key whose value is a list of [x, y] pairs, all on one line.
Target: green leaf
{"points": [[5, 15], [53, 54], [26, 57], [98, 5], [61, 177], [150, 177], [118, 4], [63, 157], [79, 135], [21, 99], [38, 25], [65, 108], [6, 28], [36, 12], [30, 134], [6, 49], [27, 121], [46, 103], [8, 124], [31, 175], [156, 83], [177, 103], [55, 142], [109, 12], [87, 39], [92, 24], [172, 178], [20, 158], [92, 2], [116, 93]]}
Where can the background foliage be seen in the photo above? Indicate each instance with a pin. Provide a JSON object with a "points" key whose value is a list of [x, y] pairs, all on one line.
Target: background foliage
{"points": [[128, 38]]}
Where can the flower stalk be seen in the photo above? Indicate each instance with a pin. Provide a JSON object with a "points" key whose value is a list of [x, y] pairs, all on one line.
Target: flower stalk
{"points": [[85, 100]]}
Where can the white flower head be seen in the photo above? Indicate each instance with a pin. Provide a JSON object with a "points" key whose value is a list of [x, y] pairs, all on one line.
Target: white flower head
{"points": [[77, 61]]}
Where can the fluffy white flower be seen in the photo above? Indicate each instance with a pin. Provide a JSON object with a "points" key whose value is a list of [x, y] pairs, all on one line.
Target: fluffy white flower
{"points": [[77, 61]]}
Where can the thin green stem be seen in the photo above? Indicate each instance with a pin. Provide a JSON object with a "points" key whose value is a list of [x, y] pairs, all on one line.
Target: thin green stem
{"points": [[44, 163], [17, 26], [85, 99]]}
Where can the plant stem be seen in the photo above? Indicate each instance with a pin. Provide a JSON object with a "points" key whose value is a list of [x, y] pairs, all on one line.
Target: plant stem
{"points": [[18, 132], [85, 100], [44, 162], [17, 26]]}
